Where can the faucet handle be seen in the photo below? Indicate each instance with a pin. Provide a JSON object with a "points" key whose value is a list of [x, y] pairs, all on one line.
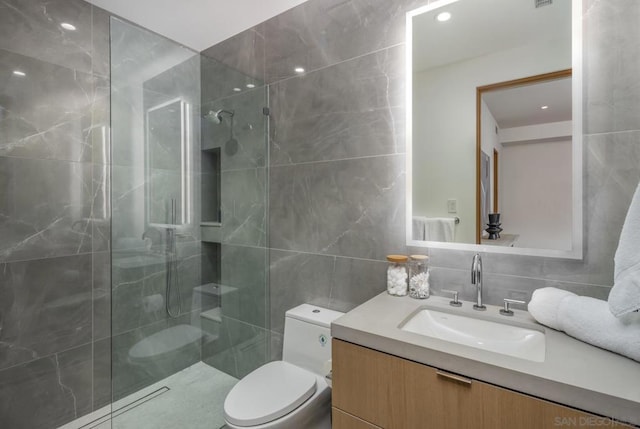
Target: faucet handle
{"points": [[506, 311], [455, 302]]}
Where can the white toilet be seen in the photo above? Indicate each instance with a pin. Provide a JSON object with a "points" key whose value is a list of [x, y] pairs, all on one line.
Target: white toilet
{"points": [[292, 393]]}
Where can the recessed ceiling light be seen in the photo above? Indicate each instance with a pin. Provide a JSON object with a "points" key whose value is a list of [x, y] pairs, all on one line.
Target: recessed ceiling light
{"points": [[443, 16], [19, 73], [299, 70], [544, 107], [237, 89], [68, 26], [250, 85]]}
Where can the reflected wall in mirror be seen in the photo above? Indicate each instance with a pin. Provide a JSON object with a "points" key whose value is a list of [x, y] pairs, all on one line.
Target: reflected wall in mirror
{"points": [[527, 123], [167, 163], [477, 84]]}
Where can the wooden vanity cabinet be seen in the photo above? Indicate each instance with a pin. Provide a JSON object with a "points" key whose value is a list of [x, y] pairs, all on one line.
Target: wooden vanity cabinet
{"points": [[340, 419], [376, 390]]}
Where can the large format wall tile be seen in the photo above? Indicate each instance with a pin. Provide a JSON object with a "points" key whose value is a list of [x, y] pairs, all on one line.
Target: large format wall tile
{"points": [[46, 392], [181, 80], [611, 65], [138, 55], [101, 373], [327, 281], [101, 295], [245, 269], [358, 112], [244, 206], [348, 208], [32, 27], [497, 287], [100, 42], [49, 112], [219, 81], [297, 278], [99, 133], [43, 208], [317, 34], [243, 53], [46, 307], [100, 219]]}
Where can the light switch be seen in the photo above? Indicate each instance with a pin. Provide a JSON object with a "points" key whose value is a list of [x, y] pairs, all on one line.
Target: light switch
{"points": [[452, 206]]}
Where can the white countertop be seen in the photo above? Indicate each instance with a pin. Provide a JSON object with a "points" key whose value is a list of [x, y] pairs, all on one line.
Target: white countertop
{"points": [[574, 373]]}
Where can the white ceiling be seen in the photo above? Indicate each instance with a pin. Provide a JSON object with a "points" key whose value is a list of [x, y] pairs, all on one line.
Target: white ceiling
{"points": [[197, 24], [521, 106], [477, 28]]}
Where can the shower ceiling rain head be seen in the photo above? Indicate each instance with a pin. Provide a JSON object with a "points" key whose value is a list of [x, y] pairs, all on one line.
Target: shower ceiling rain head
{"points": [[215, 116]]}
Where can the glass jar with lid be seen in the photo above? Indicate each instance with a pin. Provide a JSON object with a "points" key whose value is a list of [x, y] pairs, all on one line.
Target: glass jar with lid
{"points": [[419, 276], [397, 275]]}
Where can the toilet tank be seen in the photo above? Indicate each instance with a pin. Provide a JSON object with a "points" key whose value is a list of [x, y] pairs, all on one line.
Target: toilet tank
{"points": [[307, 339]]}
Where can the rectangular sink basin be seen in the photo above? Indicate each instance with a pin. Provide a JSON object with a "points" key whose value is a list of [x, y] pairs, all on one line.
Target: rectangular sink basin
{"points": [[503, 338]]}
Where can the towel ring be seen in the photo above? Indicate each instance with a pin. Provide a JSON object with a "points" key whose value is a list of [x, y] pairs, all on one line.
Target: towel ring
{"points": [[456, 219]]}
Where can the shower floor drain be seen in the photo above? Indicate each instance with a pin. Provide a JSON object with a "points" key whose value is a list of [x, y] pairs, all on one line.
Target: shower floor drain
{"points": [[128, 407]]}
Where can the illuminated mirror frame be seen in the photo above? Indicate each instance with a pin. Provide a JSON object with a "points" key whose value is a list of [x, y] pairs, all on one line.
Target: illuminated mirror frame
{"points": [[185, 164], [576, 146]]}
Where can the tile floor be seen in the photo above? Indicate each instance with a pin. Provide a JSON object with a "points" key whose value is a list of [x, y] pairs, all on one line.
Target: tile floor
{"points": [[191, 398]]}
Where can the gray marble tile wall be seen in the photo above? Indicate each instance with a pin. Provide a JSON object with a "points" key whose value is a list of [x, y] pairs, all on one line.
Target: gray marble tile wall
{"points": [[54, 216], [337, 156]]}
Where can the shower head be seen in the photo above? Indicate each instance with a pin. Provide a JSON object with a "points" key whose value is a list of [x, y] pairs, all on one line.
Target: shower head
{"points": [[215, 116]]}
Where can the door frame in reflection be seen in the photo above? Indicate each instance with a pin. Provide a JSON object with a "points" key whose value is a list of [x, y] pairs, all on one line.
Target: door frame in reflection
{"points": [[480, 92]]}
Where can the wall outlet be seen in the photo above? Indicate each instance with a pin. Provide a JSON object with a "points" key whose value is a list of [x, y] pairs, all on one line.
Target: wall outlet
{"points": [[452, 206]]}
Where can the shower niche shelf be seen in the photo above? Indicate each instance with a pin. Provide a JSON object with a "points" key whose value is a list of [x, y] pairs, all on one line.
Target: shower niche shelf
{"points": [[211, 223]]}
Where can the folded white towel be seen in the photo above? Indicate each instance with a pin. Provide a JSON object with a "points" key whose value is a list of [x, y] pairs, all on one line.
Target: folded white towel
{"points": [[589, 320], [544, 305], [440, 229], [419, 224], [625, 294]]}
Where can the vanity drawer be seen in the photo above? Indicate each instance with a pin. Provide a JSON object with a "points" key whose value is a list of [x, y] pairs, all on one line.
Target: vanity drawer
{"points": [[342, 420], [394, 393]]}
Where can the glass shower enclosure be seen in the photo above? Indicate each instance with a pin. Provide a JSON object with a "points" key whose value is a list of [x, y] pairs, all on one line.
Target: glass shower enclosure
{"points": [[189, 213]]}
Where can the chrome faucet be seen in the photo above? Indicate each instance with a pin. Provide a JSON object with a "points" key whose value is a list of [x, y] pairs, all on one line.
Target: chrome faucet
{"points": [[476, 279]]}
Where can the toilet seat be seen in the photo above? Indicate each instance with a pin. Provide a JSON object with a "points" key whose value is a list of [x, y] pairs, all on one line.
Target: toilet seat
{"points": [[268, 393]]}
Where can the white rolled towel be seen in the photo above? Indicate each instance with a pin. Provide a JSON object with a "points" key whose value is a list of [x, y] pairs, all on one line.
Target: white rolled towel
{"points": [[624, 297], [589, 320], [544, 305]]}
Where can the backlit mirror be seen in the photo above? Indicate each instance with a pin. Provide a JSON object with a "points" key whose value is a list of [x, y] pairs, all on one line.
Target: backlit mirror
{"points": [[494, 126], [167, 163]]}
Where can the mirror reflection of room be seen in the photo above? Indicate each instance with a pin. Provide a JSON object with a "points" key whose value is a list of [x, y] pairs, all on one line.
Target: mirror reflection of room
{"points": [[526, 126], [492, 125]]}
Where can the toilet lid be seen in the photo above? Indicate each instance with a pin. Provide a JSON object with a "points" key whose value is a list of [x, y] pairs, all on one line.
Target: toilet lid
{"points": [[268, 393]]}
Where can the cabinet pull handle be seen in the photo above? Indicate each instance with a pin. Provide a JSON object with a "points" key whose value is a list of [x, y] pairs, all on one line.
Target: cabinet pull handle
{"points": [[454, 377]]}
